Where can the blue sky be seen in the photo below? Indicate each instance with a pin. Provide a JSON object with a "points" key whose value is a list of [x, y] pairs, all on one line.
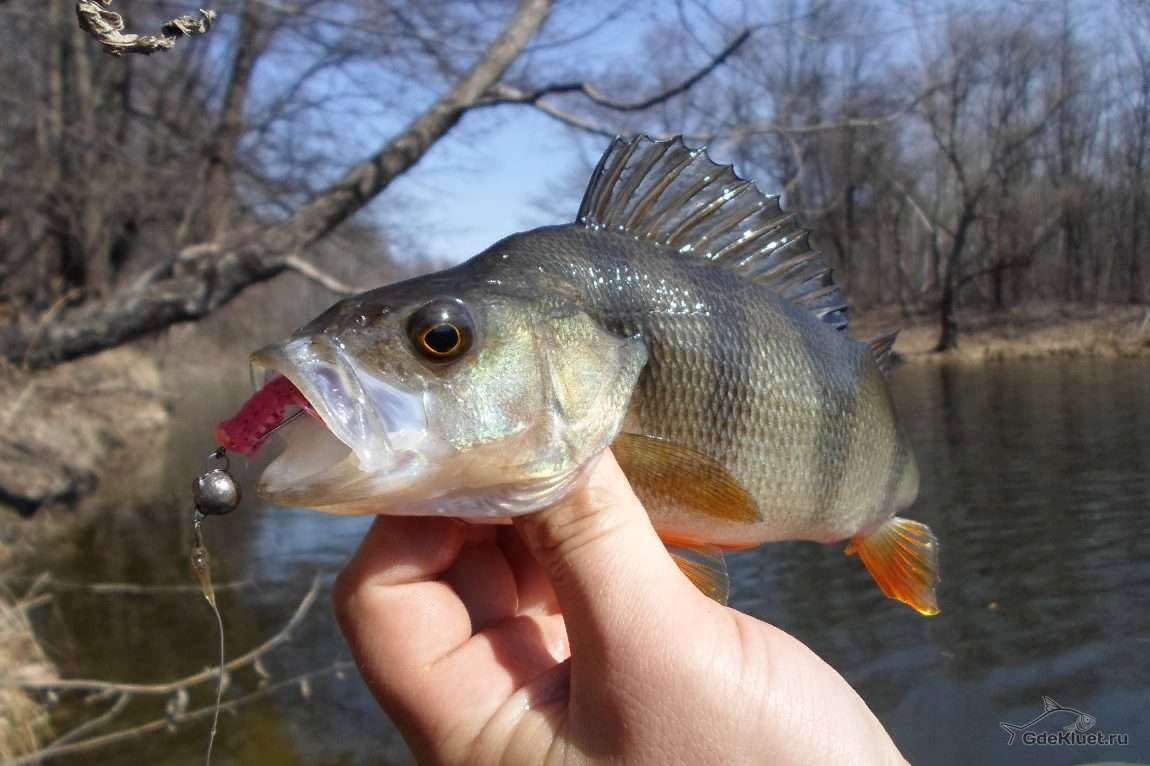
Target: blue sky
{"points": [[482, 181], [468, 194]]}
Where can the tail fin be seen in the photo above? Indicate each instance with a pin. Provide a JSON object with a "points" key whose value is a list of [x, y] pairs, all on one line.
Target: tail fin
{"points": [[1012, 730], [902, 557]]}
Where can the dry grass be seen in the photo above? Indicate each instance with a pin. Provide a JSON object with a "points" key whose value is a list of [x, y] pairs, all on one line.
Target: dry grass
{"points": [[23, 721], [1034, 330]]}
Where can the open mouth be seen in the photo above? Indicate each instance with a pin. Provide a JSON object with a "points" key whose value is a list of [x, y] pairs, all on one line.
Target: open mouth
{"points": [[344, 429]]}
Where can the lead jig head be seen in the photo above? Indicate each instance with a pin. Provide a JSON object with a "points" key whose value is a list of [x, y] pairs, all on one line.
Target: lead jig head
{"points": [[215, 492]]}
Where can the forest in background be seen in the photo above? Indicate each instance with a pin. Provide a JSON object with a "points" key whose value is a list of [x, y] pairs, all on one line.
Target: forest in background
{"points": [[949, 156]]}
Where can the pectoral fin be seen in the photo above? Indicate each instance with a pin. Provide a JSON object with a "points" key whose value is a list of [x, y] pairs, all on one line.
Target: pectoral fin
{"points": [[661, 470], [706, 568], [902, 557]]}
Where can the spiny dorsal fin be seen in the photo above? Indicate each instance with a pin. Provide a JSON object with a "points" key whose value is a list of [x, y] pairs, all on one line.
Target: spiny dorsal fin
{"points": [[680, 198], [882, 349]]}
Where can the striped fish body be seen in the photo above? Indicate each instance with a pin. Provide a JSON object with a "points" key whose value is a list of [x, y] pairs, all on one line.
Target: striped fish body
{"points": [[786, 406]]}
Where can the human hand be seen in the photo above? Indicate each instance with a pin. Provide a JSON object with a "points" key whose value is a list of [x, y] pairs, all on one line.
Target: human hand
{"points": [[573, 638]]}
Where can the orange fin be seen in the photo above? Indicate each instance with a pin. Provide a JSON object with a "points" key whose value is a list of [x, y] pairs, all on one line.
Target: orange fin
{"points": [[902, 557], [666, 473], [706, 568]]}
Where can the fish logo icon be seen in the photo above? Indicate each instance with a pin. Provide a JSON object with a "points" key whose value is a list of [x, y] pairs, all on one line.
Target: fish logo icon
{"points": [[1080, 723]]}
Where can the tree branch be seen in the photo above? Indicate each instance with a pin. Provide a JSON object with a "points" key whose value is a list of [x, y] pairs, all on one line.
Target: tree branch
{"points": [[313, 273], [81, 738], [247, 658], [58, 748], [509, 94], [205, 284]]}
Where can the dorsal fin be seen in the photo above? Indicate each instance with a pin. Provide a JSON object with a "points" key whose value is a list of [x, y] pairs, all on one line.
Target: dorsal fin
{"points": [[882, 349], [680, 198]]}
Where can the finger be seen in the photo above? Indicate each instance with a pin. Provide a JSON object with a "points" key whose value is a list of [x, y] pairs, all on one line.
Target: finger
{"points": [[476, 681], [612, 575], [536, 596], [484, 582], [408, 602], [397, 615]]}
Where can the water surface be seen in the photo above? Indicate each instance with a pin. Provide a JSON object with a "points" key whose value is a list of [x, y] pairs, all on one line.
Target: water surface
{"points": [[1036, 478]]}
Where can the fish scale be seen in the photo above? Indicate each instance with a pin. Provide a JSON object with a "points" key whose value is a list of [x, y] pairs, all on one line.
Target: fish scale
{"points": [[684, 320], [708, 372]]}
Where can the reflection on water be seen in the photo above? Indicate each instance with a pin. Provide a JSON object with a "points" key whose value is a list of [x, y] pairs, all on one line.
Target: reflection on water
{"points": [[1036, 478]]}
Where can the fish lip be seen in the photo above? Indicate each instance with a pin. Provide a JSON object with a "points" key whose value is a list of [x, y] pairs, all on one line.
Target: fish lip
{"points": [[362, 411]]}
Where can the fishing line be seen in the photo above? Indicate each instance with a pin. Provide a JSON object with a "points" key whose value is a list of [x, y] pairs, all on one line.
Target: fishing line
{"points": [[214, 493], [278, 426]]}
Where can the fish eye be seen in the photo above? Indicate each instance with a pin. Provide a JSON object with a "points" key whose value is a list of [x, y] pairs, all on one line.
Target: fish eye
{"points": [[441, 330]]}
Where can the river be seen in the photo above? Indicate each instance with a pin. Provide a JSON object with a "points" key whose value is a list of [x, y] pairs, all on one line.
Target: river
{"points": [[1036, 479]]}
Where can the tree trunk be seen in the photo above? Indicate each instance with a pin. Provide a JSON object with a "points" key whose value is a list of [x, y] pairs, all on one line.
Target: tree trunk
{"points": [[948, 322], [212, 205], [948, 301]]}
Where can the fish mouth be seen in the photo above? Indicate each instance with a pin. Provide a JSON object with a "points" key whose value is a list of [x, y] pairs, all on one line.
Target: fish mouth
{"points": [[368, 435]]}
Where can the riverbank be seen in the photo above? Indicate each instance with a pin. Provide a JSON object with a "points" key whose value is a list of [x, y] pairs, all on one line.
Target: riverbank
{"points": [[80, 430], [1024, 332]]}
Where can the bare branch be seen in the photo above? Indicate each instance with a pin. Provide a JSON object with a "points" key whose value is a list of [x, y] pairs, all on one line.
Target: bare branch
{"points": [[159, 724], [207, 283], [47, 582], [508, 94], [163, 689], [107, 27], [311, 272], [598, 98], [927, 220], [94, 724]]}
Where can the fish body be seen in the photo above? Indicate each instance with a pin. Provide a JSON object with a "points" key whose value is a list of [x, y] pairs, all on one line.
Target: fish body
{"points": [[1081, 722], [793, 410], [683, 319]]}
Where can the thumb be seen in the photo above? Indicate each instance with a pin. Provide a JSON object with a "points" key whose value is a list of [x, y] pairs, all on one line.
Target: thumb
{"points": [[613, 577]]}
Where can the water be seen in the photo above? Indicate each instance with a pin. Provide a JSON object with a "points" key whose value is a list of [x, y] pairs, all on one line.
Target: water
{"points": [[1036, 477]]}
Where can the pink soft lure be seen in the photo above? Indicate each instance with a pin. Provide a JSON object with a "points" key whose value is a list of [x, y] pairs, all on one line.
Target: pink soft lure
{"points": [[265, 411]]}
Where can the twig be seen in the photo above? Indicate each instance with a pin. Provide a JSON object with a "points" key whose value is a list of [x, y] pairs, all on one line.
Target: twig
{"points": [[598, 98], [107, 28], [91, 725], [313, 273], [161, 723], [110, 687], [501, 93], [28, 604], [507, 94], [47, 582]]}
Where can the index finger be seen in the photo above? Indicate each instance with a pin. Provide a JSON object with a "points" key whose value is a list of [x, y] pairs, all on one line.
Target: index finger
{"points": [[439, 628]]}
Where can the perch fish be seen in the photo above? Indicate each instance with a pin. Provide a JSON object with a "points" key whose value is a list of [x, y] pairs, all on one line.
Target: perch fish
{"points": [[683, 320]]}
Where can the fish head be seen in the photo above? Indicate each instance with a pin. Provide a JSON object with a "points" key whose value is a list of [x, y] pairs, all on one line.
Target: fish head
{"points": [[430, 398]]}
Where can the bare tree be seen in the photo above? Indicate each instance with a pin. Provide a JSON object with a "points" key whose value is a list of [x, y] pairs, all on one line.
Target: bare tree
{"points": [[216, 258], [1002, 163]]}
